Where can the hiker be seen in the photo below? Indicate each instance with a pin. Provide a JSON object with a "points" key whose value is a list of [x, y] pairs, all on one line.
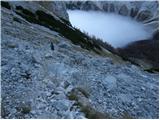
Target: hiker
{"points": [[52, 46]]}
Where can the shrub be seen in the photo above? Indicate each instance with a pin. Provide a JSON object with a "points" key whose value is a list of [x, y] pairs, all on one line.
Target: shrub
{"points": [[5, 4], [85, 107], [152, 70], [24, 108], [83, 91], [17, 19], [91, 113], [126, 115], [28, 15]]}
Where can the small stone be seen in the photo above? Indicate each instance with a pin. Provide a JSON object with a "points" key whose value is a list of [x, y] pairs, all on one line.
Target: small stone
{"points": [[36, 58], [139, 99], [12, 45], [143, 88], [33, 112], [48, 94], [49, 55], [66, 84], [60, 105], [64, 45]]}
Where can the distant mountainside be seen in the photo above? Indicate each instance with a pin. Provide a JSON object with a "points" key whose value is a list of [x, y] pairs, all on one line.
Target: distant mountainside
{"points": [[143, 53], [51, 70]]}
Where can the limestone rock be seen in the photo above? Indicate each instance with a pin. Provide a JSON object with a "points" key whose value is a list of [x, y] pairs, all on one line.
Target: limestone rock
{"points": [[123, 10]]}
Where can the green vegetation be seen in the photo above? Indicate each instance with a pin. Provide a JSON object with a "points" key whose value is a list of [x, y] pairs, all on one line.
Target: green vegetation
{"points": [[65, 29], [87, 109], [47, 20], [4, 112], [77, 95], [28, 15], [100, 42], [125, 115], [91, 113], [65, 21], [75, 35], [83, 91], [72, 96], [24, 108], [5, 4], [152, 70], [17, 19]]}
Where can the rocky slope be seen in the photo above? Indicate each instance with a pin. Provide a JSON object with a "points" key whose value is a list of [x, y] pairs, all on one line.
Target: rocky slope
{"points": [[45, 75]]}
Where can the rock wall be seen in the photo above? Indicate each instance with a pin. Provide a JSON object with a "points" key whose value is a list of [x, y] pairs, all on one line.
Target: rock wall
{"points": [[56, 8]]}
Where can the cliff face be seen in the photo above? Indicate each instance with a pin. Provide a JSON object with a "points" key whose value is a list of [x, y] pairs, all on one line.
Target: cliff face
{"points": [[54, 8], [51, 70], [58, 8]]}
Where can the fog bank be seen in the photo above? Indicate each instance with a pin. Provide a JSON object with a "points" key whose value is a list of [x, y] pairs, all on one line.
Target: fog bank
{"points": [[115, 29]]}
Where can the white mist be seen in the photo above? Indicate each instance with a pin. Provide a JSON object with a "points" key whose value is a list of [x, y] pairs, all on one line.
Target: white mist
{"points": [[115, 29]]}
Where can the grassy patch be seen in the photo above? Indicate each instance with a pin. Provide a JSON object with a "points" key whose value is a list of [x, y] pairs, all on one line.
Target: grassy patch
{"points": [[91, 113], [4, 112], [28, 15], [87, 109], [17, 19], [65, 21], [152, 70], [126, 115], [24, 108], [72, 96], [83, 91]]}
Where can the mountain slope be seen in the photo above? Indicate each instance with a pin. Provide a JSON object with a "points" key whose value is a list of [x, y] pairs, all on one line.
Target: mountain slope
{"points": [[144, 54], [45, 75]]}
